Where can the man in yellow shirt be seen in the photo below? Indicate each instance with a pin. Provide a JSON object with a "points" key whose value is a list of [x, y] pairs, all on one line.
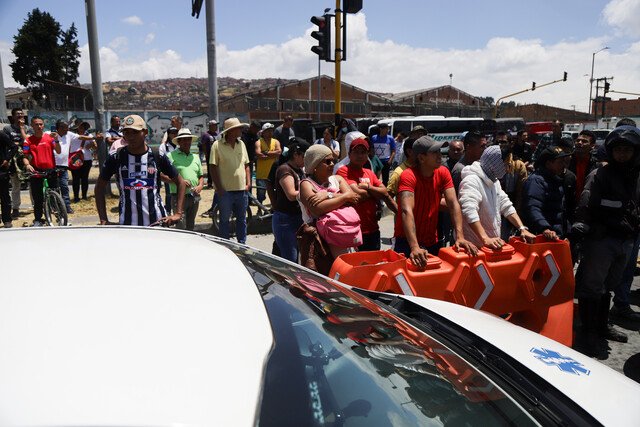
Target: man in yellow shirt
{"points": [[230, 173], [394, 178], [267, 151]]}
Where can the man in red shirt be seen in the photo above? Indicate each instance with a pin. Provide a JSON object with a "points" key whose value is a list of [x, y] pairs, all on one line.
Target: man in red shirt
{"points": [[366, 184], [38, 157], [420, 193]]}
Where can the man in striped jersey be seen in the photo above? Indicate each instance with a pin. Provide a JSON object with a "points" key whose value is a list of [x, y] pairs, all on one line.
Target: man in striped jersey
{"points": [[138, 170]]}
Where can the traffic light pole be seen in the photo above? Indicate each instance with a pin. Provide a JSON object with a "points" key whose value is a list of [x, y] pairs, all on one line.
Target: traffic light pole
{"points": [[533, 87], [338, 59]]}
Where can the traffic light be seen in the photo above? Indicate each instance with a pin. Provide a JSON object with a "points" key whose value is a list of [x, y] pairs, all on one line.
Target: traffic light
{"points": [[533, 86], [323, 35], [607, 85], [564, 79]]}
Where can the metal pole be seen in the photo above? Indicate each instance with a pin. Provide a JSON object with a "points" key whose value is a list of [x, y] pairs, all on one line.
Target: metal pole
{"points": [[593, 59], [338, 49], [3, 100], [211, 60], [96, 78], [318, 108]]}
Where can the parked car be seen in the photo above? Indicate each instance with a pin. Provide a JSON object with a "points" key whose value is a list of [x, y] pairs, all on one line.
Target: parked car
{"points": [[100, 327], [601, 135]]}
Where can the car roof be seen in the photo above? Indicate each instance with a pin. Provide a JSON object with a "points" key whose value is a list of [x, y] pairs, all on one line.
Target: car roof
{"points": [[125, 326]]}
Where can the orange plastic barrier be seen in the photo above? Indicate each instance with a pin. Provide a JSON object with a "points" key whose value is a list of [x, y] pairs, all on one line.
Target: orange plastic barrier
{"points": [[530, 285]]}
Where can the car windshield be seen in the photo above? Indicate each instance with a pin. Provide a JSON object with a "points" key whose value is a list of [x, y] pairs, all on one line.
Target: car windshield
{"points": [[341, 360]]}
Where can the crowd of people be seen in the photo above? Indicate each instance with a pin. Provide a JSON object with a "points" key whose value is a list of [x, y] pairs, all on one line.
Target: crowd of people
{"points": [[327, 196]]}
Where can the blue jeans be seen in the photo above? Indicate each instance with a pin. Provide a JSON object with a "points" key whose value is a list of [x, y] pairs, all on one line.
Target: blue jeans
{"points": [[261, 189], [622, 291], [234, 202], [63, 181], [284, 228]]}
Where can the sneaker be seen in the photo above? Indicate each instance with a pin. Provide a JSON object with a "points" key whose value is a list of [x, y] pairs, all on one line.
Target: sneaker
{"points": [[8, 225], [15, 213], [624, 313], [69, 210], [76, 200], [36, 224]]}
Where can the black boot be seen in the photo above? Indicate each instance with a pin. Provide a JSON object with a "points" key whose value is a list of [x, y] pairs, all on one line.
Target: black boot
{"points": [[604, 329], [590, 342]]}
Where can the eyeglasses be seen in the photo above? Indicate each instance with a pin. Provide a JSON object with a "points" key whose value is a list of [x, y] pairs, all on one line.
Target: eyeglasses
{"points": [[328, 162]]}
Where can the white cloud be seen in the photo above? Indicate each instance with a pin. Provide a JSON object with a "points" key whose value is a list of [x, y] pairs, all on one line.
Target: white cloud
{"points": [[149, 38], [7, 57], [119, 43], [624, 16], [132, 20]]}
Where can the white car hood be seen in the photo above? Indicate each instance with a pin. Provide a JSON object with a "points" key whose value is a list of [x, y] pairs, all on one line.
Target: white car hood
{"points": [[123, 326], [607, 395]]}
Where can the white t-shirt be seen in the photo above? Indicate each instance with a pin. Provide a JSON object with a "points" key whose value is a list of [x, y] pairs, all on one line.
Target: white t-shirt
{"points": [[62, 159]]}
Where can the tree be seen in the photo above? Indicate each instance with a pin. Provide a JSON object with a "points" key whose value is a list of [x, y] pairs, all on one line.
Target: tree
{"points": [[70, 55], [488, 99], [44, 52]]}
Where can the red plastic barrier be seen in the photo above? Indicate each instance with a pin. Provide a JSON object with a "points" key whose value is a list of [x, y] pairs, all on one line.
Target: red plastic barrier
{"points": [[530, 285]]}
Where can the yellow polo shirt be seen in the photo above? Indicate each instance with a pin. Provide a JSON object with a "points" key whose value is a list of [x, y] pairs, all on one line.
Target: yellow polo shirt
{"points": [[231, 163]]}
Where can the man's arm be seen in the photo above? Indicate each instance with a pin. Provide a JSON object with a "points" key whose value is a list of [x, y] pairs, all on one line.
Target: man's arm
{"points": [[456, 219], [418, 255], [182, 187], [215, 175], [276, 152], [247, 174], [100, 186]]}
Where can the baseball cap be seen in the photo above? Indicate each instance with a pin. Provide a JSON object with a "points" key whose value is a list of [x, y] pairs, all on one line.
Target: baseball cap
{"points": [[426, 144], [359, 142], [267, 126], [134, 122], [551, 153]]}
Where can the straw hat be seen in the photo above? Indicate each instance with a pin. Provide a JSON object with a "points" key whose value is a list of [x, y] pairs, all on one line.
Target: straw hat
{"points": [[185, 133], [233, 123]]}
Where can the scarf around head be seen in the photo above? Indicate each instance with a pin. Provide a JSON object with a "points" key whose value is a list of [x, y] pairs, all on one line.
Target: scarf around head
{"points": [[492, 164]]}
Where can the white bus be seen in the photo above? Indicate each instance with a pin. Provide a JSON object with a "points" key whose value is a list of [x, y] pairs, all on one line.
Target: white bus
{"points": [[439, 128]]}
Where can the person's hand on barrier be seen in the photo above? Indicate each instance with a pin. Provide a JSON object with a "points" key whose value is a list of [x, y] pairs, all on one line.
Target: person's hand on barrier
{"points": [[318, 197], [493, 242], [527, 236], [550, 235], [466, 245], [419, 257], [172, 219], [30, 169]]}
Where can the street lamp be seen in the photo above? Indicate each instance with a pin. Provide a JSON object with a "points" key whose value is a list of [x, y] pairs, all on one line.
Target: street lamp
{"points": [[593, 58]]}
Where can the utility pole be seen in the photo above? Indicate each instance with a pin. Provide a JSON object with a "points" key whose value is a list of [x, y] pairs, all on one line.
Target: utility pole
{"points": [[96, 78], [3, 100], [211, 60], [338, 50]]}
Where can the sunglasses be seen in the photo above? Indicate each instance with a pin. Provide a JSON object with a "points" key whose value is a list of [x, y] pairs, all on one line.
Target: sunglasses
{"points": [[328, 162]]}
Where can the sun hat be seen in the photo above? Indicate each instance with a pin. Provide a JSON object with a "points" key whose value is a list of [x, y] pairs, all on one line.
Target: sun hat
{"points": [[185, 133], [232, 123]]}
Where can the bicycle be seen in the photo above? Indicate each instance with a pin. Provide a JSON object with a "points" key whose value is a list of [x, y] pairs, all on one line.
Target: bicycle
{"points": [[262, 213], [55, 211]]}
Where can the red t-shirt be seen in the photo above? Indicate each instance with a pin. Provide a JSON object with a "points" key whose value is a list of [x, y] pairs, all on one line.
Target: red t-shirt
{"points": [[367, 208], [582, 163], [427, 194], [41, 151]]}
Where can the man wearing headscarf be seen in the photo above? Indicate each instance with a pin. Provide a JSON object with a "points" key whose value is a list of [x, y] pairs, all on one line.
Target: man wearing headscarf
{"points": [[484, 203]]}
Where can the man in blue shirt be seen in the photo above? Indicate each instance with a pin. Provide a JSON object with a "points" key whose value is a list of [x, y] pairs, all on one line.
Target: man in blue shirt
{"points": [[385, 148]]}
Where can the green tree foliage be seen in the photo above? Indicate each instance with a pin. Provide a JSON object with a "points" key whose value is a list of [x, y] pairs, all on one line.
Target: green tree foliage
{"points": [[44, 52], [70, 55], [488, 99]]}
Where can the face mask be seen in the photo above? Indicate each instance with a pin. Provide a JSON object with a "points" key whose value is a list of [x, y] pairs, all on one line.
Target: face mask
{"points": [[492, 164]]}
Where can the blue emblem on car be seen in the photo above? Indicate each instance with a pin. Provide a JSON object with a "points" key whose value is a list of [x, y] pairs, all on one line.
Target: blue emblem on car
{"points": [[564, 363]]}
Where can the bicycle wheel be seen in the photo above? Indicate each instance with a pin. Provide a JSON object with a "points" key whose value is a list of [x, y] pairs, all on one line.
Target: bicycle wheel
{"points": [[55, 211]]}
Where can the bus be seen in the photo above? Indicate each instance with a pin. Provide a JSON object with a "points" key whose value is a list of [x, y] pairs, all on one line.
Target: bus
{"points": [[512, 125], [440, 128]]}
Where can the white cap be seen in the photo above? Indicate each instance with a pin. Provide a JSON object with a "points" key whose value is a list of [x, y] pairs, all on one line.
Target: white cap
{"points": [[267, 126]]}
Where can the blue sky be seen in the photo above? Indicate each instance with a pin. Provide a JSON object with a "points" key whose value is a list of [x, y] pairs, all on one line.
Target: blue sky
{"points": [[491, 47]]}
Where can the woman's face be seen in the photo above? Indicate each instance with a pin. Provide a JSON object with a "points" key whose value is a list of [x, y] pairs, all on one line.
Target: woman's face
{"points": [[298, 160], [324, 169]]}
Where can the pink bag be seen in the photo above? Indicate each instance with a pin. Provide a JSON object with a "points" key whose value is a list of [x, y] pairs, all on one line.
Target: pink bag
{"points": [[340, 227]]}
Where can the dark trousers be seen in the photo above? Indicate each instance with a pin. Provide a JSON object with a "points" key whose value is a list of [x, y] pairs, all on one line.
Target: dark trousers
{"points": [[370, 242], [36, 193], [207, 154], [5, 198], [81, 178], [385, 171]]}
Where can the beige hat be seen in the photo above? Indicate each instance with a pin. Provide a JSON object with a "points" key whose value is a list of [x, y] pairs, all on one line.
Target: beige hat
{"points": [[185, 133], [232, 123], [134, 122], [314, 155]]}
